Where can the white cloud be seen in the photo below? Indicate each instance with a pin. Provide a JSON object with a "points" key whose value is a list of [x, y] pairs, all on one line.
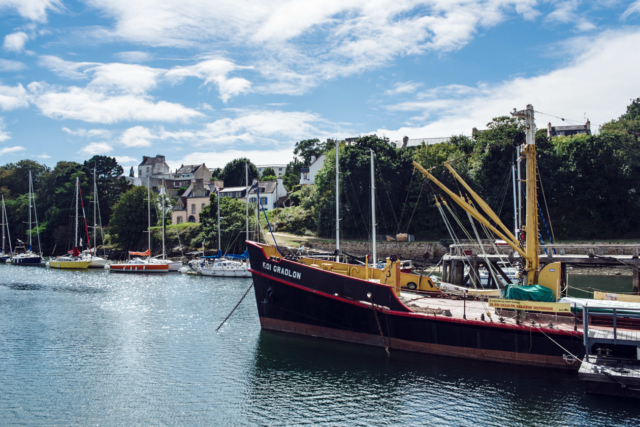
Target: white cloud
{"points": [[15, 42], [587, 84], [10, 150], [36, 10], [10, 65], [95, 107], [135, 56], [137, 136], [4, 135], [214, 71], [218, 159], [299, 43], [126, 161], [13, 97], [88, 133], [633, 8], [42, 156], [403, 87], [96, 148]]}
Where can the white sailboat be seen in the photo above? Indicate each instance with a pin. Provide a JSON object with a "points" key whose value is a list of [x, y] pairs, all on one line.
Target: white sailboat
{"points": [[223, 267], [90, 254], [4, 256], [173, 265]]}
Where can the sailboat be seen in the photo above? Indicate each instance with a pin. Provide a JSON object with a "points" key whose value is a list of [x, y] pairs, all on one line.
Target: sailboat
{"points": [[4, 256], [29, 257], [72, 260], [142, 263], [229, 265], [90, 253], [173, 265]]}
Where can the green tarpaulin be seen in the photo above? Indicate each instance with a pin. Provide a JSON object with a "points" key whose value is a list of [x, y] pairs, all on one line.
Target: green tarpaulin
{"points": [[529, 293]]}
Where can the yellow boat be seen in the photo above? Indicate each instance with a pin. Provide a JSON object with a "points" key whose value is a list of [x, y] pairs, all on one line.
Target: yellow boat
{"points": [[69, 263]]}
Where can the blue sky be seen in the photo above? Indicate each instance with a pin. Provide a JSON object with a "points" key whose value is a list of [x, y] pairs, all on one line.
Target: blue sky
{"points": [[213, 80]]}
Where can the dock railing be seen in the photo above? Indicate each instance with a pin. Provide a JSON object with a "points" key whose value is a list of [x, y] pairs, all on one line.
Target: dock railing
{"points": [[599, 336]]}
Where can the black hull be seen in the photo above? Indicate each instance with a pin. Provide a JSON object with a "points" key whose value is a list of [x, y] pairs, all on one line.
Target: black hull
{"points": [[31, 261], [295, 298]]}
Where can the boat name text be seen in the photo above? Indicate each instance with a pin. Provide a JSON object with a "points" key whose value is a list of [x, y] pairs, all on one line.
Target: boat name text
{"points": [[281, 270]]}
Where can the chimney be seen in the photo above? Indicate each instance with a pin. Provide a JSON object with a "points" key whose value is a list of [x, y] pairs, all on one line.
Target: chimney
{"points": [[160, 157], [588, 125], [145, 158], [405, 141], [549, 130], [313, 159]]}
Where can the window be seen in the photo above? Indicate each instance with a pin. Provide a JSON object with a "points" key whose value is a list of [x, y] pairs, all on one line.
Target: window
{"points": [[193, 210], [192, 218], [280, 169], [263, 200], [147, 170], [179, 220]]}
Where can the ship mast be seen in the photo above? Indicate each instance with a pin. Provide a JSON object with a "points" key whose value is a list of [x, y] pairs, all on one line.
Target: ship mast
{"points": [[246, 196], [337, 204], [531, 228], [373, 212], [75, 242]]}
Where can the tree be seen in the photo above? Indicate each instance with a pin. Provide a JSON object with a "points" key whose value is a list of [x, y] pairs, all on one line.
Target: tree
{"points": [[216, 174], [232, 223], [131, 173], [110, 181], [291, 176], [15, 176], [308, 148], [267, 172], [129, 220], [233, 173]]}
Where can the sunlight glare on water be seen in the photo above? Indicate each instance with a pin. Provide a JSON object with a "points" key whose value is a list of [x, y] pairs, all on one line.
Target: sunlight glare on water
{"points": [[98, 348]]}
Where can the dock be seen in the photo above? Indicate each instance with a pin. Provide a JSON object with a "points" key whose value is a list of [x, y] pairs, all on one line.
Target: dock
{"points": [[603, 375]]}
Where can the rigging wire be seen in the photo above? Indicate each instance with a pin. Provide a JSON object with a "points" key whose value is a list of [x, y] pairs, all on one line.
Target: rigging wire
{"points": [[384, 184], [358, 203], [561, 118], [406, 200]]}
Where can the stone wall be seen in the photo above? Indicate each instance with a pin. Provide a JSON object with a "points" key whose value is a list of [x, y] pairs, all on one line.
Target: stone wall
{"points": [[417, 251]]}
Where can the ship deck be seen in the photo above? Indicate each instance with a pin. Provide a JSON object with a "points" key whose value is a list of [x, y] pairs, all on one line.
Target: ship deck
{"points": [[455, 308]]}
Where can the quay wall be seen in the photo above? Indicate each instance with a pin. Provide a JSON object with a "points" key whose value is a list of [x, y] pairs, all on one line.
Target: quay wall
{"points": [[416, 251]]}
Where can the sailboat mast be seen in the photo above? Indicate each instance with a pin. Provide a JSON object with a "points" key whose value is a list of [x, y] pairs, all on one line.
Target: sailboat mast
{"points": [[77, 185], [6, 224], [246, 196], [3, 224], [95, 207], [30, 228], [337, 204], [373, 211], [149, 211], [515, 201], [163, 250], [219, 246]]}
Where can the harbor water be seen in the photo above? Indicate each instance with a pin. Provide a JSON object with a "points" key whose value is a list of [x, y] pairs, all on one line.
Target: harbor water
{"points": [[98, 348]]}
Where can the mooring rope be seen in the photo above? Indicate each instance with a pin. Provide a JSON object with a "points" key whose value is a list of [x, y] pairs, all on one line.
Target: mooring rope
{"points": [[375, 313], [234, 308]]}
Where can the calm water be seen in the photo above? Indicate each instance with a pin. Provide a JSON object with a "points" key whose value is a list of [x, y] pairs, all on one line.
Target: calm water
{"points": [[93, 348]]}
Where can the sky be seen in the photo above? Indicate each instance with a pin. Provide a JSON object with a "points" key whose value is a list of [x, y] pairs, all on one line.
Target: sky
{"points": [[214, 80]]}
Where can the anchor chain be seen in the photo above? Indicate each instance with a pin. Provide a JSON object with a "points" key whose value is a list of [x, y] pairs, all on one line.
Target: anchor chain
{"points": [[375, 314], [234, 308]]}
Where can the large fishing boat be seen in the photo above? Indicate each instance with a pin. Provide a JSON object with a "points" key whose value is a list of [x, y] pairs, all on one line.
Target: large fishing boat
{"points": [[530, 325]]}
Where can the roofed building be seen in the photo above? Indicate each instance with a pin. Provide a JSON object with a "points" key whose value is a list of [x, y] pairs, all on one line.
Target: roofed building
{"points": [[584, 129]]}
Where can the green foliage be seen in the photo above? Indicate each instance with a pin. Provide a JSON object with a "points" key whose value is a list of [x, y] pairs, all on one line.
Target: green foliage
{"points": [[216, 174], [181, 190], [232, 223], [233, 173], [269, 178], [129, 220], [267, 172], [308, 148], [291, 176], [294, 220]]}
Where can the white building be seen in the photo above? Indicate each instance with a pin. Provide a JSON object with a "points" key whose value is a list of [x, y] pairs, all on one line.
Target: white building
{"points": [[273, 194], [278, 168], [308, 175]]}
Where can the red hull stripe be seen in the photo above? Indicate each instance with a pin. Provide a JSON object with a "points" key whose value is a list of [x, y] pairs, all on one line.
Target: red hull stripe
{"points": [[421, 315]]}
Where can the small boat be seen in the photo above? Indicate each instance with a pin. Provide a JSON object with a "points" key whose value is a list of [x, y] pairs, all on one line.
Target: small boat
{"points": [[95, 261], [140, 264], [223, 267], [29, 258], [90, 254], [73, 261]]}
